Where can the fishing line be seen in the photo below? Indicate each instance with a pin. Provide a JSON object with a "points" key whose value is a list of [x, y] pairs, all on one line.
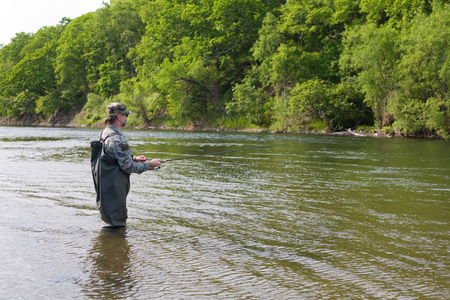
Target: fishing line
{"points": [[222, 152]]}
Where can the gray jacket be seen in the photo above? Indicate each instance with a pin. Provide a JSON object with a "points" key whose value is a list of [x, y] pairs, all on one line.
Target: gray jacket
{"points": [[116, 146]]}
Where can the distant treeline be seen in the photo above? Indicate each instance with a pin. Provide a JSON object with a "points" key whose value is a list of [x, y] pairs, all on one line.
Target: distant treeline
{"points": [[281, 65]]}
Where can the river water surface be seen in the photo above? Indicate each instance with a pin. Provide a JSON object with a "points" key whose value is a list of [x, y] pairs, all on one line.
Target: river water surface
{"points": [[319, 217]]}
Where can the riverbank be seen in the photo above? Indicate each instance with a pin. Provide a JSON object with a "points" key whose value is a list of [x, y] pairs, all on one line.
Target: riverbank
{"points": [[377, 133]]}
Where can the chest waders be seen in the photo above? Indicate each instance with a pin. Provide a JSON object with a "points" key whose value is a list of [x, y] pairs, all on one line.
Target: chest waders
{"points": [[111, 185]]}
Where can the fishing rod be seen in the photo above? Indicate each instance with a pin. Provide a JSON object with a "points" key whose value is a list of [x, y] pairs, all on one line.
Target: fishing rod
{"points": [[222, 152]]}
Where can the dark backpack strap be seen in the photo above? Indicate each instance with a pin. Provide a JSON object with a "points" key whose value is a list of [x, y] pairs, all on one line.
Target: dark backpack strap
{"points": [[100, 139]]}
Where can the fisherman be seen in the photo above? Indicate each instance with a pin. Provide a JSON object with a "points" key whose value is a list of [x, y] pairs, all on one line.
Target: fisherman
{"points": [[111, 171]]}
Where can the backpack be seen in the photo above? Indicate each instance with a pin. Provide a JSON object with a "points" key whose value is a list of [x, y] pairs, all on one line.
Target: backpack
{"points": [[96, 153]]}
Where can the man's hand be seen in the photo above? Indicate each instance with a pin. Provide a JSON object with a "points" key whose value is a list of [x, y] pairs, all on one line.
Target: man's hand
{"points": [[141, 158], [155, 162]]}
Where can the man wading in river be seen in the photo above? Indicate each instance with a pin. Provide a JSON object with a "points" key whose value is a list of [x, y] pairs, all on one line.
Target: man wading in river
{"points": [[112, 163]]}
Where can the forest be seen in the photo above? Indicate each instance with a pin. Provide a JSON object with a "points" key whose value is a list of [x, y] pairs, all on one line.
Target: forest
{"points": [[283, 66]]}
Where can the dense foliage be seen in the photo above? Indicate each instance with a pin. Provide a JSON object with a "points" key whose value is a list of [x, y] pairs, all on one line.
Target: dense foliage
{"points": [[275, 64]]}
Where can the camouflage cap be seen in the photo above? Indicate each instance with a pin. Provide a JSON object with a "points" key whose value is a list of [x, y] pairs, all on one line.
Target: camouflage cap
{"points": [[117, 108]]}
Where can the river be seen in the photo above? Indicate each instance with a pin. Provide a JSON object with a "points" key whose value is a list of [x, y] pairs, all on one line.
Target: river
{"points": [[320, 217]]}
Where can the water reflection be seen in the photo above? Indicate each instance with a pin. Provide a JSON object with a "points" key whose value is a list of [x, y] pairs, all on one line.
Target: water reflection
{"points": [[108, 265]]}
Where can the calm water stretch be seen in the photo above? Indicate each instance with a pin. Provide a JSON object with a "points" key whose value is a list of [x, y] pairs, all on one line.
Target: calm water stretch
{"points": [[322, 217]]}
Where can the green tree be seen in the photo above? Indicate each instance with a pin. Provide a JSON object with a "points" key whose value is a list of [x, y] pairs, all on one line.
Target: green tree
{"points": [[195, 51], [94, 109], [395, 12], [424, 74], [35, 71], [93, 55], [72, 68], [339, 106], [312, 96], [372, 53], [250, 101], [145, 106], [299, 42], [10, 55], [122, 29], [30, 75]]}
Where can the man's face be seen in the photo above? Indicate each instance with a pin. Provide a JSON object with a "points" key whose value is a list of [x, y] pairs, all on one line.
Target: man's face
{"points": [[124, 119]]}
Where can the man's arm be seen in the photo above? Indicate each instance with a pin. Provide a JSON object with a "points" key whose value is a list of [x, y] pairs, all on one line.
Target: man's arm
{"points": [[118, 147]]}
